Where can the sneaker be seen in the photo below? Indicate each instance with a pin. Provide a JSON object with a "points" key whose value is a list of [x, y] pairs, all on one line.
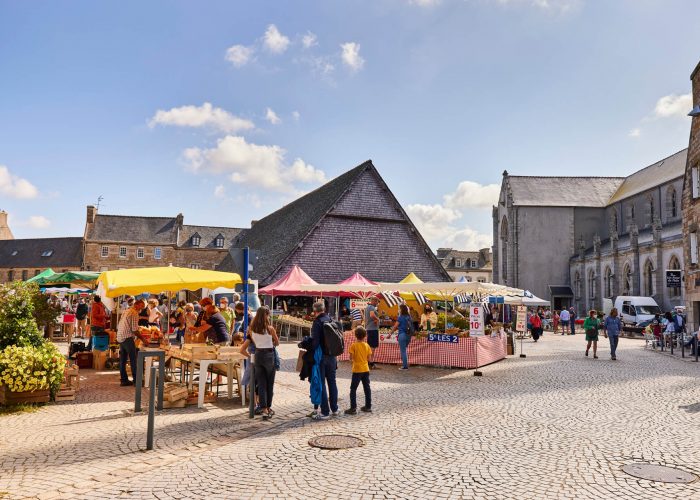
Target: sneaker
{"points": [[335, 414], [127, 383], [321, 416], [586, 353], [366, 410], [595, 356], [403, 368], [613, 358], [258, 410], [312, 414], [351, 411]]}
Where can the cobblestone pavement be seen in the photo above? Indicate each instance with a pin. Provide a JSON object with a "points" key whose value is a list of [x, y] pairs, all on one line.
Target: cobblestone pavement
{"points": [[554, 425]]}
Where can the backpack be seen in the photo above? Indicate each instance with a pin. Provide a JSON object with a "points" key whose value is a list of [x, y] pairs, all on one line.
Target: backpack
{"points": [[411, 331], [333, 339]]}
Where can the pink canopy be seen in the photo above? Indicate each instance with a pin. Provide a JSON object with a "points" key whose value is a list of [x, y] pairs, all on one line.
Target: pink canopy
{"points": [[357, 280], [290, 284]]}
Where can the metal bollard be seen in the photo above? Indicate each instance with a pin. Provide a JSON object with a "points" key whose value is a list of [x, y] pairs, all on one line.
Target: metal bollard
{"points": [[695, 341], [251, 394], [151, 409]]}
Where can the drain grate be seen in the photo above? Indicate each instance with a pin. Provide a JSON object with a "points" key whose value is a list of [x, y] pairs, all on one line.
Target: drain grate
{"points": [[335, 442], [661, 473]]}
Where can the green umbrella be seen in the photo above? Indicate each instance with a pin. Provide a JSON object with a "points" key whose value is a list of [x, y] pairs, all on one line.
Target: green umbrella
{"points": [[78, 278], [39, 278]]}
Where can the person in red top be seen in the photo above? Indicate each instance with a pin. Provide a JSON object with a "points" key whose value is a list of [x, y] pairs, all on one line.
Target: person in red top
{"points": [[536, 323], [98, 319]]}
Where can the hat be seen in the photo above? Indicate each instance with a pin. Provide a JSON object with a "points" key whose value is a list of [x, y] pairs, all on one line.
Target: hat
{"points": [[206, 301]]}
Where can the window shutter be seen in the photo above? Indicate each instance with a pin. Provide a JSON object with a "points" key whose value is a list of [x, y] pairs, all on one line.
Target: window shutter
{"points": [[693, 248], [694, 175]]}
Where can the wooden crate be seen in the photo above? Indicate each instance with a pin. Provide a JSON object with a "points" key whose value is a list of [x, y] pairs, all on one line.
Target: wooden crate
{"points": [[193, 399], [227, 353], [8, 397], [180, 403], [196, 352], [175, 393]]}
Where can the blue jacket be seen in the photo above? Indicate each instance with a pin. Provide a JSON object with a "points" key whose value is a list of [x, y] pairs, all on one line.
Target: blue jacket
{"points": [[315, 383], [613, 325], [317, 332]]}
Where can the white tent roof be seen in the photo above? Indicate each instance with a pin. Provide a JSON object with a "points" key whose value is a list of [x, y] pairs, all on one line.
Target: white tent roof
{"points": [[445, 290]]}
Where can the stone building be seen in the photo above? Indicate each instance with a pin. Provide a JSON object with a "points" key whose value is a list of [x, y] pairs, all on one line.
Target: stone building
{"points": [[351, 224], [470, 265], [121, 242], [578, 240], [20, 259], [5, 233], [691, 209]]}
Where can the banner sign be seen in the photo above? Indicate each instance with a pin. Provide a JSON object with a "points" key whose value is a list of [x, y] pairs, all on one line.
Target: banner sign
{"points": [[389, 338], [476, 320], [497, 300], [439, 337], [673, 278], [358, 304], [521, 319]]}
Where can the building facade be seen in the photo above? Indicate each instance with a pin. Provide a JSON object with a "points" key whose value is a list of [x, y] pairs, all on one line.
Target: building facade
{"points": [[691, 210], [467, 265], [122, 242], [578, 240], [21, 259]]}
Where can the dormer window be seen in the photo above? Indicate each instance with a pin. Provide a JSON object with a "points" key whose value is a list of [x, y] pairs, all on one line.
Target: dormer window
{"points": [[473, 263], [219, 242], [196, 240], [47, 253], [14, 252], [458, 262]]}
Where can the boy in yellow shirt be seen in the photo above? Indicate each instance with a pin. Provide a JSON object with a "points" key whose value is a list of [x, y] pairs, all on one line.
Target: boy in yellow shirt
{"points": [[361, 356]]}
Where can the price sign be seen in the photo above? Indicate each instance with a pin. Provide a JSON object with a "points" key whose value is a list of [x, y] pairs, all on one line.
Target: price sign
{"points": [[521, 319], [358, 303], [438, 337], [389, 338], [476, 320]]}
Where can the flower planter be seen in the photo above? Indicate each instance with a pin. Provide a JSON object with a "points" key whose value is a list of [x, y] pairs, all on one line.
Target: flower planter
{"points": [[8, 397]]}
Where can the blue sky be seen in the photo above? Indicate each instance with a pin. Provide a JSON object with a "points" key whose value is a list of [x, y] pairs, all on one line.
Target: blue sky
{"points": [[225, 111]]}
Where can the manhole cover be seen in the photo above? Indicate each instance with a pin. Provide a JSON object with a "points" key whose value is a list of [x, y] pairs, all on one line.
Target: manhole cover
{"points": [[659, 473], [335, 442]]}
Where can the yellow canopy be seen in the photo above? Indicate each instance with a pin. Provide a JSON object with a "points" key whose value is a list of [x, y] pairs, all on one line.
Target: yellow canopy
{"points": [[163, 279], [412, 278]]}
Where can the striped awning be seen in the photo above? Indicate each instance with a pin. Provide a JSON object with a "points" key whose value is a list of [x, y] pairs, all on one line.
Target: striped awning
{"points": [[391, 299], [420, 298], [463, 298]]}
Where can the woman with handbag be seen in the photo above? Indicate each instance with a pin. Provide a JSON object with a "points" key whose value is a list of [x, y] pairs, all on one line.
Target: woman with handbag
{"points": [[590, 326]]}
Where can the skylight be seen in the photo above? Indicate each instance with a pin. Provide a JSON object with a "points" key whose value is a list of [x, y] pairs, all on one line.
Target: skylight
{"points": [[47, 253]]}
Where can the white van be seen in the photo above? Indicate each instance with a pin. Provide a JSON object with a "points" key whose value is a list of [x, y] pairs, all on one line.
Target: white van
{"points": [[635, 310]]}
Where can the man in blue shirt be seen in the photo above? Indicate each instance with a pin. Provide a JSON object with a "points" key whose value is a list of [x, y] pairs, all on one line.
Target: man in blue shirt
{"points": [[329, 365]]}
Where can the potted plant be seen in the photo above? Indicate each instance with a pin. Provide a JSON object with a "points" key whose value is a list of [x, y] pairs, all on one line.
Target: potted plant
{"points": [[31, 368]]}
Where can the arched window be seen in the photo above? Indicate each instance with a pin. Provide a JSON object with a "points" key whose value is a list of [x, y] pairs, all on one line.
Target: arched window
{"points": [[504, 250], [648, 278], [591, 284], [671, 203], [627, 280], [674, 263], [608, 282], [613, 221]]}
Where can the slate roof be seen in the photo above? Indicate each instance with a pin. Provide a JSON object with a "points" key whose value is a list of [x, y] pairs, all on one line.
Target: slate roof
{"points": [[654, 175], [339, 229], [562, 191], [67, 252], [208, 236], [278, 234], [133, 229]]}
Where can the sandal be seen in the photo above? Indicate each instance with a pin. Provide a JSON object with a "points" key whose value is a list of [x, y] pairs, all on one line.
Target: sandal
{"points": [[266, 416], [271, 412]]}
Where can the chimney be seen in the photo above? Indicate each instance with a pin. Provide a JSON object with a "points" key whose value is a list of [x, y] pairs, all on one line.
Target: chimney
{"points": [[5, 233], [180, 220], [91, 214], [253, 222]]}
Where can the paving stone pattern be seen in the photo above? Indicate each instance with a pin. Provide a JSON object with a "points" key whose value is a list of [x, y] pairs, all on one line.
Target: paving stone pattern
{"points": [[553, 425]]}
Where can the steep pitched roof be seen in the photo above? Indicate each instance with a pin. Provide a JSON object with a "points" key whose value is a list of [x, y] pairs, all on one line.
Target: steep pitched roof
{"points": [[655, 174], [562, 191], [208, 235], [133, 229], [278, 234], [314, 231], [58, 253]]}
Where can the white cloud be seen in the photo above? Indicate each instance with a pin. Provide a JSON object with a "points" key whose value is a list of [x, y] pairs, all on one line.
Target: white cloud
{"points": [[309, 40], [254, 164], [38, 222], [440, 227], [274, 41], [673, 105], [239, 55], [220, 191], [634, 133], [16, 187], [351, 56], [296, 115], [473, 195], [201, 116], [549, 5], [272, 117]]}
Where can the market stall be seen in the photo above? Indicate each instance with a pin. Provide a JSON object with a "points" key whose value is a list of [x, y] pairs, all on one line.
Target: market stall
{"points": [[191, 358], [453, 343]]}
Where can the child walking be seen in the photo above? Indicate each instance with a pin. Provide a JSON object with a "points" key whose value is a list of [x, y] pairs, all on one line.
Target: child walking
{"points": [[360, 356]]}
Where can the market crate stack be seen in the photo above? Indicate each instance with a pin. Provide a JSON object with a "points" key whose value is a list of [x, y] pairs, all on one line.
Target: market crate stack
{"points": [[70, 385]]}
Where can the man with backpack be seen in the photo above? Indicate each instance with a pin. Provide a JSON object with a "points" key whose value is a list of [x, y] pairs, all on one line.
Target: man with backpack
{"points": [[323, 335]]}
